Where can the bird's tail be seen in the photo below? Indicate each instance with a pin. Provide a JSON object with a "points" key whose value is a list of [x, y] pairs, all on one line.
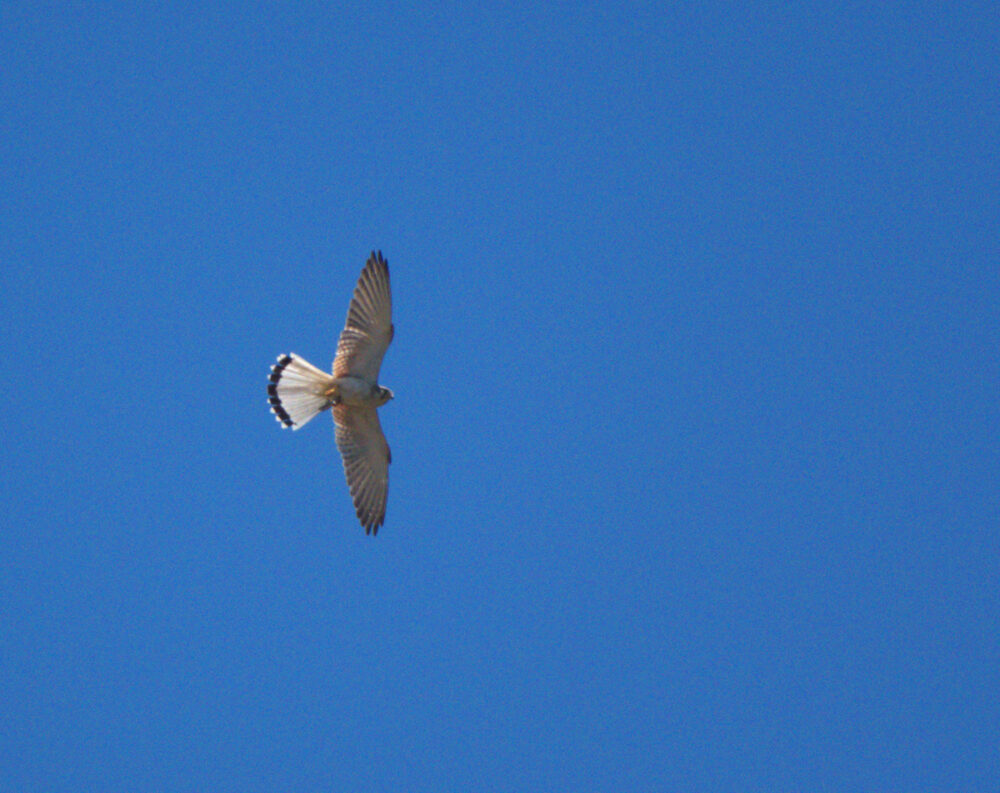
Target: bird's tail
{"points": [[298, 390]]}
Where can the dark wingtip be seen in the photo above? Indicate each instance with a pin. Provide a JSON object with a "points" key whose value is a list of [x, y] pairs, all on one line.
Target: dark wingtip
{"points": [[377, 258]]}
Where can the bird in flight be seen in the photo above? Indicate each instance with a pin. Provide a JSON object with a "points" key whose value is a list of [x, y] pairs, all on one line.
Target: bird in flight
{"points": [[298, 391]]}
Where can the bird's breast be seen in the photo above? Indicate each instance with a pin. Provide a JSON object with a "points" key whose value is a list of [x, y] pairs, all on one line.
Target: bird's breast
{"points": [[355, 391]]}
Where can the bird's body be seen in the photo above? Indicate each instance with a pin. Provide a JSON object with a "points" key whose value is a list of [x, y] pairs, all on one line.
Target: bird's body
{"points": [[298, 391], [357, 392]]}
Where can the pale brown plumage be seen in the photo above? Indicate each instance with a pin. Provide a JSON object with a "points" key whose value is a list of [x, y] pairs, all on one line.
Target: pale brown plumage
{"points": [[363, 342], [298, 391], [366, 457], [368, 330]]}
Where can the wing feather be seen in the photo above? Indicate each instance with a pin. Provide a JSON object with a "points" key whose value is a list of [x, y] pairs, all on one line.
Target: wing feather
{"points": [[368, 329], [365, 454]]}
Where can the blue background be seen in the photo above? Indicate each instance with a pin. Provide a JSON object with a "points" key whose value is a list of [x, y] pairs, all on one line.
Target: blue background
{"points": [[696, 363]]}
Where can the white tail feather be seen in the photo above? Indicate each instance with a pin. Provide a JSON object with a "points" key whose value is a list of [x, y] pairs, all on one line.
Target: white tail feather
{"points": [[298, 390]]}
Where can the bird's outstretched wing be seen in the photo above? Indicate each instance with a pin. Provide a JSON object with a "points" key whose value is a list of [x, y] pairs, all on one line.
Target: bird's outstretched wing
{"points": [[368, 329], [366, 462]]}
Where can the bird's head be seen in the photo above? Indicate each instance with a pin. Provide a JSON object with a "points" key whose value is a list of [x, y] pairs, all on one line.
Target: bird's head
{"points": [[384, 395]]}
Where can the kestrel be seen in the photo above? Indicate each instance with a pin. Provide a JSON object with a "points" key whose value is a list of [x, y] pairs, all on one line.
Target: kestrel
{"points": [[298, 391]]}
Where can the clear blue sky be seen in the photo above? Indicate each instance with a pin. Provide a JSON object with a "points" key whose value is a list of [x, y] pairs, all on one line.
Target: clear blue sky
{"points": [[695, 438]]}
